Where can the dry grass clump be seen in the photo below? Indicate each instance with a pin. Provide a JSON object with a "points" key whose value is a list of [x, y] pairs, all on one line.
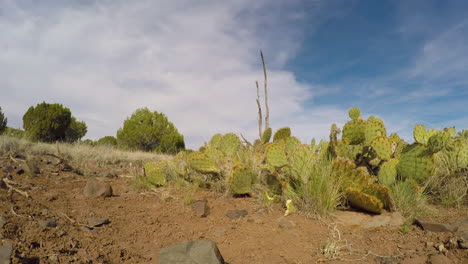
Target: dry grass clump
{"points": [[449, 184], [77, 152]]}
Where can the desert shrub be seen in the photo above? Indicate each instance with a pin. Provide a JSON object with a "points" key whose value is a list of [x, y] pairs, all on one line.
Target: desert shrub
{"points": [[150, 131], [13, 132], [410, 199], [52, 122], [88, 142], [75, 131], [3, 122], [107, 140], [319, 191]]}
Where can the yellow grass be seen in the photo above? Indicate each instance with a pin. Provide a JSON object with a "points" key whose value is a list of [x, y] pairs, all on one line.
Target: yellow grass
{"points": [[77, 152]]}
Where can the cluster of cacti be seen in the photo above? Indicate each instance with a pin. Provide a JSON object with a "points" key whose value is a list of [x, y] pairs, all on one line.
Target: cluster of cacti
{"points": [[360, 188], [367, 162]]}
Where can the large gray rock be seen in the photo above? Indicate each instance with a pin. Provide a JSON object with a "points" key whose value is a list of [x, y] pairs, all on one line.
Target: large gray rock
{"points": [[96, 188], [191, 252], [6, 249]]}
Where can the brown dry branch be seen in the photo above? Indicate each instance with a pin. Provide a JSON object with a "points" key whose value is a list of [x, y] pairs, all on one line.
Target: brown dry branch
{"points": [[260, 118], [267, 115], [9, 183]]}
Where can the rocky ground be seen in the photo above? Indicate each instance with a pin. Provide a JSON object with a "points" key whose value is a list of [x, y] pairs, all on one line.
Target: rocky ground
{"points": [[51, 214]]}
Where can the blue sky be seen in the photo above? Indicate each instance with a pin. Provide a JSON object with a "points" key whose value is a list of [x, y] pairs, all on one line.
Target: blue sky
{"points": [[403, 61]]}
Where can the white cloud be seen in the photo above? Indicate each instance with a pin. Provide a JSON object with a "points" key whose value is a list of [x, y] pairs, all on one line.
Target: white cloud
{"points": [[196, 61]]}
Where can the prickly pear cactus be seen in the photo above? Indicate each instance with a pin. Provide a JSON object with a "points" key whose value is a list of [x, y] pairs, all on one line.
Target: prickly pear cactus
{"points": [[421, 135], [345, 169], [201, 163], [155, 173], [354, 113], [276, 155], [438, 142], [382, 147], [373, 130], [354, 131], [282, 133], [229, 144], [180, 164], [363, 201], [388, 172], [372, 118], [241, 180], [382, 193], [416, 162], [361, 190], [344, 149], [266, 135], [301, 161], [291, 143], [216, 140]]}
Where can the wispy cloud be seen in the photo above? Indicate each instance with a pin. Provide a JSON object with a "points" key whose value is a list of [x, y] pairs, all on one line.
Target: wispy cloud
{"points": [[195, 61]]}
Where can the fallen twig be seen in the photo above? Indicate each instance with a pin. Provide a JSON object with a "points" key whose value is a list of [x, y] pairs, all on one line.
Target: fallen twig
{"points": [[9, 184]]}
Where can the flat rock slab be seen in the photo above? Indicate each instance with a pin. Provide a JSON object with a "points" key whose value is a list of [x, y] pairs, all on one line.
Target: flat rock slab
{"points": [[285, 223], [6, 249], [200, 208], [96, 188], [434, 227], [369, 221], [235, 214], [191, 252], [97, 222]]}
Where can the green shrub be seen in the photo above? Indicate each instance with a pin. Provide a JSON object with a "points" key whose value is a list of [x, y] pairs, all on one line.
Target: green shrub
{"points": [[75, 131], [150, 131], [88, 142], [3, 122], [107, 141], [52, 122], [13, 132]]}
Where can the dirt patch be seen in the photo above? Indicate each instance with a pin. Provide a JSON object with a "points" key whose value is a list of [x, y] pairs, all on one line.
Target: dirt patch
{"points": [[138, 225]]}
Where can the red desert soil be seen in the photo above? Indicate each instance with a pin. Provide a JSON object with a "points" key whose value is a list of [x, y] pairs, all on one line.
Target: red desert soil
{"points": [[143, 223]]}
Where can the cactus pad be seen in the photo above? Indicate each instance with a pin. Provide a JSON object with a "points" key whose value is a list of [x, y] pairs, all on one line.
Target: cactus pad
{"points": [[241, 180], [438, 142], [201, 163], [373, 130], [388, 172], [276, 155], [354, 113], [354, 131], [416, 163], [282, 133], [216, 140], [155, 173], [291, 143], [382, 147], [266, 136], [230, 144], [363, 201]]}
